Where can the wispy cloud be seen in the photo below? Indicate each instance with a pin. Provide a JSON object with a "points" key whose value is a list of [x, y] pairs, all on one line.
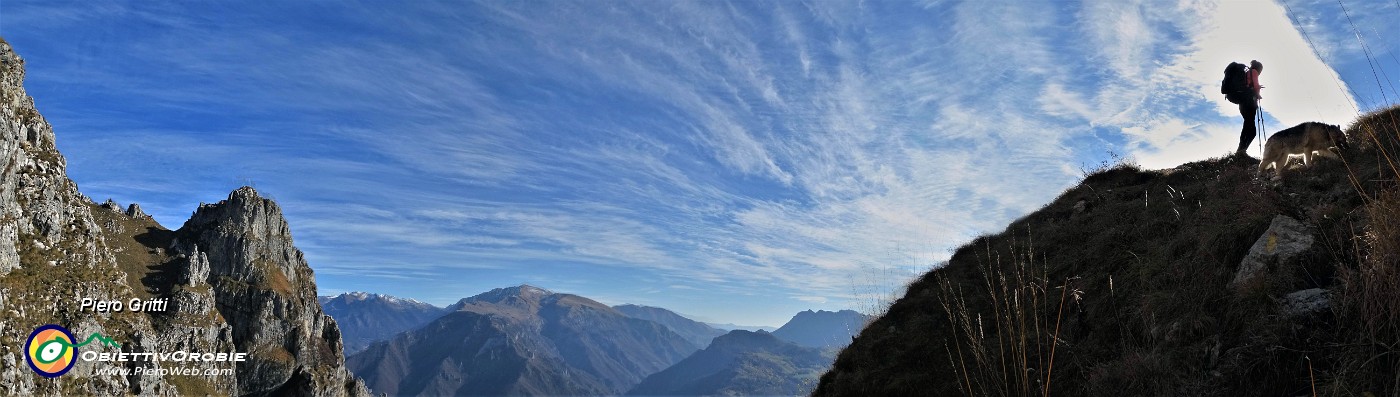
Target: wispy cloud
{"points": [[807, 153]]}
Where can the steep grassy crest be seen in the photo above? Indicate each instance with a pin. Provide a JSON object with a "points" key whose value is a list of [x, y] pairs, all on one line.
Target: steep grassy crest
{"points": [[1121, 287]]}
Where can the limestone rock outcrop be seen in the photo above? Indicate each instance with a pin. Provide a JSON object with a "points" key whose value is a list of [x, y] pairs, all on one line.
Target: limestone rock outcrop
{"points": [[232, 278], [1285, 240], [242, 247], [134, 211], [1305, 302]]}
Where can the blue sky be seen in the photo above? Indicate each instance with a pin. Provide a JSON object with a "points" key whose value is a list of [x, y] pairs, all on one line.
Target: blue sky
{"points": [[734, 161]]}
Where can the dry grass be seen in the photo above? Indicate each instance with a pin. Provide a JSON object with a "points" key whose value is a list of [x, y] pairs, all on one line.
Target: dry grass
{"points": [[1141, 261], [1367, 359], [139, 246], [1148, 310], [1018, 358]]}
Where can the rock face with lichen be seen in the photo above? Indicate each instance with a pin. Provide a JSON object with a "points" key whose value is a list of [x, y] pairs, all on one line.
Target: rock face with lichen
{"points": [[262, 284], [1279, 246], [233, 280]]}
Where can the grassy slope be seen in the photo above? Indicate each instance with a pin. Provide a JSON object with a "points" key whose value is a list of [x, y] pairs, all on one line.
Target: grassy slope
{"points": [[139, 245], [1142, 273]]}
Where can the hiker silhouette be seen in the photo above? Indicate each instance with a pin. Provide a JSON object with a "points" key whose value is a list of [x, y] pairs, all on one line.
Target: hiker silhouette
{"points": [[1249, 105]]}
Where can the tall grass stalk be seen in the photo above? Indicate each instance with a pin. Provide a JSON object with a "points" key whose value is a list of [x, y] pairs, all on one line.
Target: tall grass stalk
{"points": [[1064, 289], [1009, 351], [1369, 302]]}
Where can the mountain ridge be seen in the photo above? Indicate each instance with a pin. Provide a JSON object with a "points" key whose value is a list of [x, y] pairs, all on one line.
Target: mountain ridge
{"points": [[231, 276], [1203, 279], [366, 318], [522, 340], [696, 332], [740, 363], [822, 329], [362, 296]]}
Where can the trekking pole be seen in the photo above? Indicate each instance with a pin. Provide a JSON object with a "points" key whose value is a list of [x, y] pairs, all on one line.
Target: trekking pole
{"points": [[1259, 130]]}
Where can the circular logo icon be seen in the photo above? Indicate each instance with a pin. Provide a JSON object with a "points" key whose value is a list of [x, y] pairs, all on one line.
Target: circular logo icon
{"points": [[49, 350]]}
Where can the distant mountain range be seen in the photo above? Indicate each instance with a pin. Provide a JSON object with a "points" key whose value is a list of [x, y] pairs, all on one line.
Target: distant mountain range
{"points": [[526, 340], [730, 327], [823, 329], [696, 332], [366, 318], [522, 341], [741, 363]]}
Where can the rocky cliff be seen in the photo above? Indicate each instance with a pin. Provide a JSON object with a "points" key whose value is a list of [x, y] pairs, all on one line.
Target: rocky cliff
{"points": [[231, 276], [241, 248]]}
